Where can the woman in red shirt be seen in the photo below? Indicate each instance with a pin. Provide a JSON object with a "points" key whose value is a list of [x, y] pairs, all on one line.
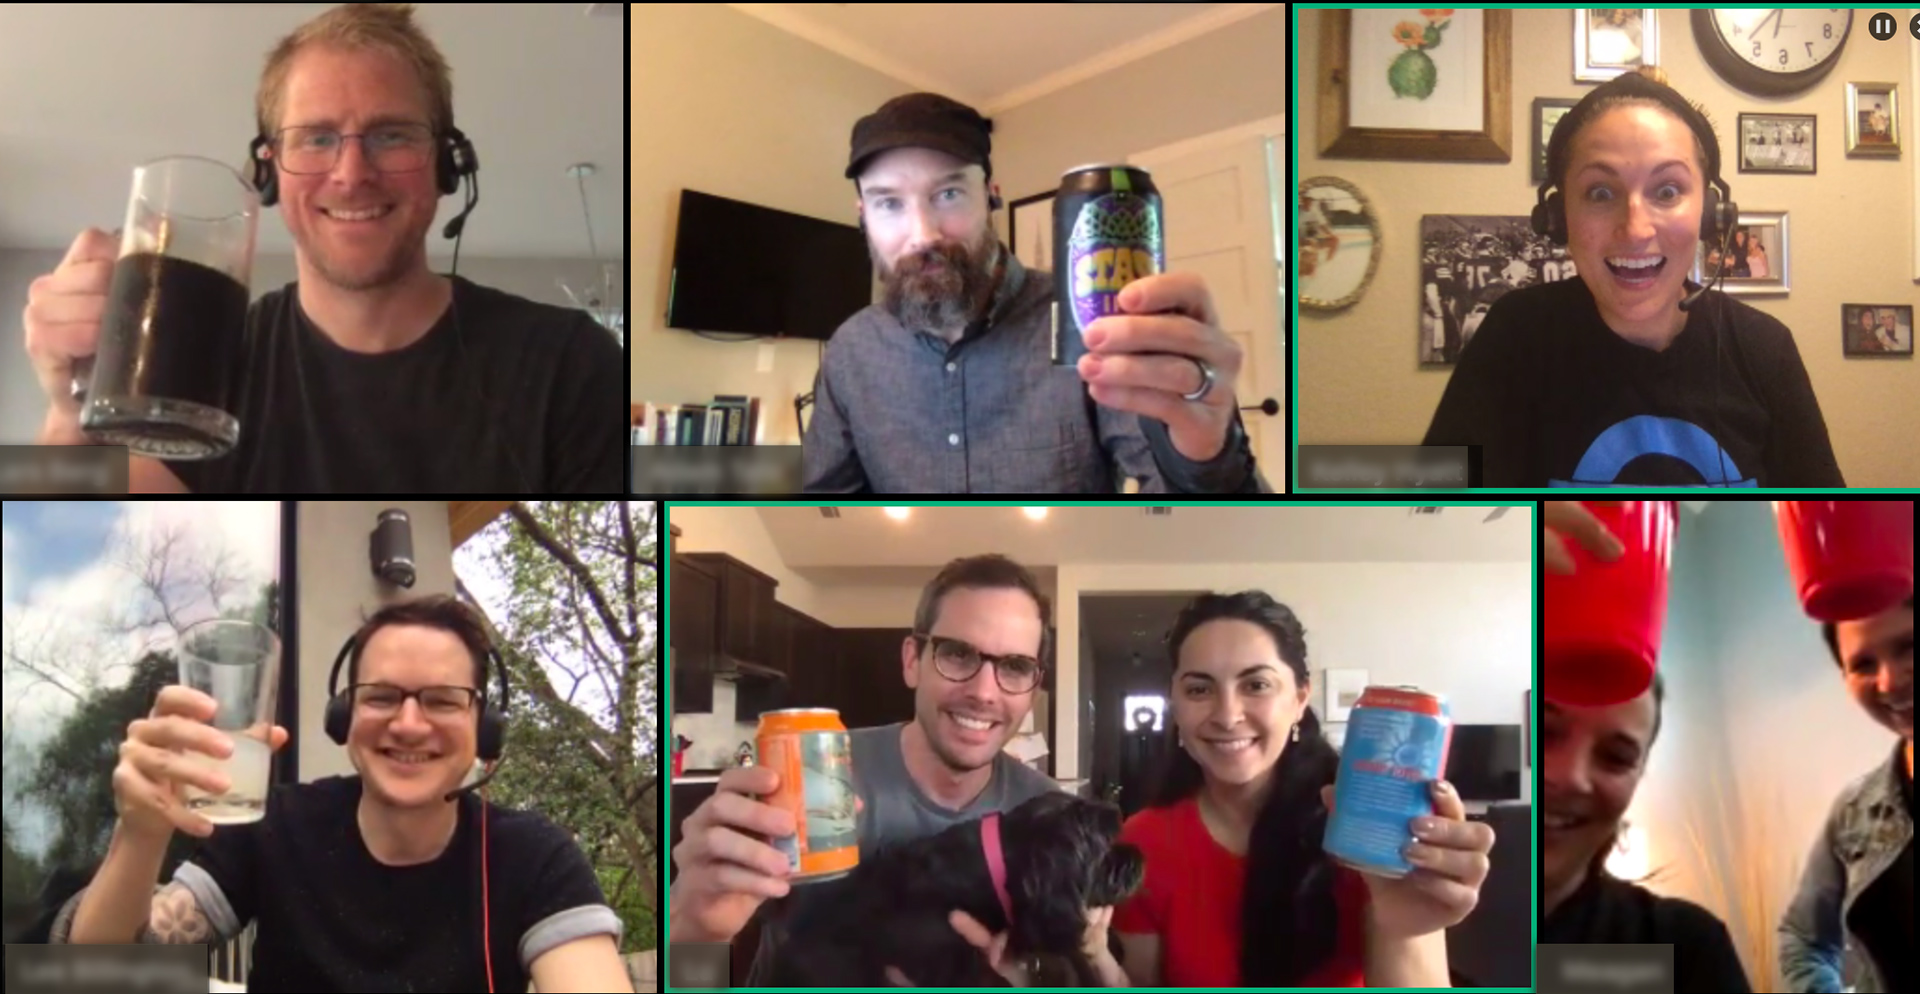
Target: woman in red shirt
{"points": [[1232, 842]]}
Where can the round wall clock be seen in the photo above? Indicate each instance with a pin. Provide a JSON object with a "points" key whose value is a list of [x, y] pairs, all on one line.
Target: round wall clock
{"points": [[1772, 52]]}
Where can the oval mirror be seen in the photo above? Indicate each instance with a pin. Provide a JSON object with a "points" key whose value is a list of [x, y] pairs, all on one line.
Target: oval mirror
{"points": [[1339, 243]]}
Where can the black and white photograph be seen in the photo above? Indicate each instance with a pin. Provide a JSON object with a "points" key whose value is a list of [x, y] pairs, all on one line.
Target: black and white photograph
{"points": [[1467, 263], [1756, 258], [1777, 143], [1547, 112], [1608, 41], [1877, 329]]}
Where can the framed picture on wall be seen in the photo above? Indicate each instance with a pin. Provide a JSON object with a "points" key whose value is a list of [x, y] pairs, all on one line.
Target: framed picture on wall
{"points": [[1877, 330], [1405, 83], [1547, 112], [1467, 263], [1030, 230], [1873, 120], [1777, 143], [1758, 260], [1608, 41], [1344, 688]]}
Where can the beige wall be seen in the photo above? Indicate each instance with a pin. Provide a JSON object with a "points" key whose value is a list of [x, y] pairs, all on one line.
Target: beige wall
{"points": [[1853, 242], [729, 105], [1217, 81]]}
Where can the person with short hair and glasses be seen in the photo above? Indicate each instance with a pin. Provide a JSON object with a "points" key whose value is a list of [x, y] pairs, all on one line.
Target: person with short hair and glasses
{"points": [[371, 373], [975, 657], [391, 879]]}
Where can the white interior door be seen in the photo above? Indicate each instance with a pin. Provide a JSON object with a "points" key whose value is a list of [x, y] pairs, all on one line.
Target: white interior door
{"points": [[1222, 224]]}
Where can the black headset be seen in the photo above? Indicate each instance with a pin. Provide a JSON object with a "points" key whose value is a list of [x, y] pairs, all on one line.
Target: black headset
{"points": [[455, 155], [493, 715]]}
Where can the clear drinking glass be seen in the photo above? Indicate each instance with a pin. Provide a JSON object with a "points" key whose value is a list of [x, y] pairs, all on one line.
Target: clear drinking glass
{"points": [[236, 663], [170, 348]]}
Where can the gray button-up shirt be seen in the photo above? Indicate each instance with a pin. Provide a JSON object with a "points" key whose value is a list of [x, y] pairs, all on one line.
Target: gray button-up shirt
{"points": [[901, 411]]}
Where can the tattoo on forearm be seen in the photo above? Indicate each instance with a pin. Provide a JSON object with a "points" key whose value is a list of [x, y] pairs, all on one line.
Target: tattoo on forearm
{"points": [[177, 918]]}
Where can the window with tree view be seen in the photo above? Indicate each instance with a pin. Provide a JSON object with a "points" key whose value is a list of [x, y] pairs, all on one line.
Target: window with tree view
{"points": [[93, 595]]}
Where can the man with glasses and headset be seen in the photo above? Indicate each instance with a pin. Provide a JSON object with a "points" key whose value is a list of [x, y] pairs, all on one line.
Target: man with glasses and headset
{"points": [[974, 660], [372, 374], [393, 879]]}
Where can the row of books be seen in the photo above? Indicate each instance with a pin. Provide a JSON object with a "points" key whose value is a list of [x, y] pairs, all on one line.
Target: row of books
{"points": [[724, 421]]}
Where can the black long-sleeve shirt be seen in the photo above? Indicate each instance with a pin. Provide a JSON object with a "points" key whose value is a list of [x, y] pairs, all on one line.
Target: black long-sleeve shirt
{"points": [[1556, 398], [1605, 910]]}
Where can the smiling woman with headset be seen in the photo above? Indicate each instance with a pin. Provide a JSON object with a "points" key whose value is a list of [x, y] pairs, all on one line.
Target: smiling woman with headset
{"points": [[1633, 374]]}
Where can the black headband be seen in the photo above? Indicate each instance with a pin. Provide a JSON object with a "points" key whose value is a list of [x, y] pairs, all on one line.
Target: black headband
{"points": [[1629, 85]]}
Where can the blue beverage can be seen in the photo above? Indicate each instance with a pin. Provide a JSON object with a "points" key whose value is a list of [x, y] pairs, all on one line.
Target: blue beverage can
{"points": [[1396, 745]]}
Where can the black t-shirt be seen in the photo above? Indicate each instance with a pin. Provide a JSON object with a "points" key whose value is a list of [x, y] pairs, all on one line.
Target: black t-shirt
{"points": [[1605, 910], [1555, 398], [318, 419], [332, 918]]}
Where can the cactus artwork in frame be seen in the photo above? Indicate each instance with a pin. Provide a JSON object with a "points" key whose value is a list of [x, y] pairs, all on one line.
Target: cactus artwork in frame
{"points": [[1428, 84]]}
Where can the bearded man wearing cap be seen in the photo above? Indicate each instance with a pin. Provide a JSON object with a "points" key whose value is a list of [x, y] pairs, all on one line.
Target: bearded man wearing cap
{"points": [[948, 385]]}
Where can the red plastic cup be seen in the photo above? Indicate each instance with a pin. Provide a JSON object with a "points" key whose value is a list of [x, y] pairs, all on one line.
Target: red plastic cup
{"points": [[1604, 622], [1849, 559]]}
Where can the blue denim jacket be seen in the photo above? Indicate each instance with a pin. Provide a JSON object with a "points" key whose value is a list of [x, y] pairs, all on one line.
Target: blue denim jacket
{"points": [[1864, 834]]}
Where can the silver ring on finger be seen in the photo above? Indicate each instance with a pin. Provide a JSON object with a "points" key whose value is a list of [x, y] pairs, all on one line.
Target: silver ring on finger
{"points": [[1207, 378]]}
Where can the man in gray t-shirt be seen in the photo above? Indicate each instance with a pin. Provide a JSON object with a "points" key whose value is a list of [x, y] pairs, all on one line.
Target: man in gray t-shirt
{"points": [[896, 810], [974, 662]]}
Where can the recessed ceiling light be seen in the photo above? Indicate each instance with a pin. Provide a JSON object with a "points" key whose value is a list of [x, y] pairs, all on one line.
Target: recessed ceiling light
{"points": [[1036, 513], [897, 513]]}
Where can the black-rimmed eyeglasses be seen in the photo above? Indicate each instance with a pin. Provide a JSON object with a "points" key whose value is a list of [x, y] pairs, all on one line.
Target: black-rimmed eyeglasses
{"points": [[959, 661], [383, 700]]}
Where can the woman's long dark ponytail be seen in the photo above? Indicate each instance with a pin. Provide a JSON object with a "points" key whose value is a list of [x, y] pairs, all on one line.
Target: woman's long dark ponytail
{"points": [[1287, 918]]}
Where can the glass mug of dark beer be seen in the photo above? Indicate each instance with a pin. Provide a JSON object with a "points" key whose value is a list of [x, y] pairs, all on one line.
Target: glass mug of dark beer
{"points": [[171, 342]]}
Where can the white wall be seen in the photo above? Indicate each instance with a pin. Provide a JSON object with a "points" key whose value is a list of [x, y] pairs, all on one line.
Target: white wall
{"points": [[1465, 630], [1758, 735], [338, 590]]}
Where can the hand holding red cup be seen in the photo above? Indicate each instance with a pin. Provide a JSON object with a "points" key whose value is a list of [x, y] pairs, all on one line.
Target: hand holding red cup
{"points": [[1605, 619]]}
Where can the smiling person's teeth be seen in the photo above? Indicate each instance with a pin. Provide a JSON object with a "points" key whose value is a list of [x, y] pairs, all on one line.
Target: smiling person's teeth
{"points": [[977, 724]]}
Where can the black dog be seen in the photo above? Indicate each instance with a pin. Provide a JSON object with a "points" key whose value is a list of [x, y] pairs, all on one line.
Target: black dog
{"points": [[1059, 859]]}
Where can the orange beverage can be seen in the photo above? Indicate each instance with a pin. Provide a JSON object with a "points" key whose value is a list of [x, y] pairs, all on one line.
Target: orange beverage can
{"points": [[808, 747]]}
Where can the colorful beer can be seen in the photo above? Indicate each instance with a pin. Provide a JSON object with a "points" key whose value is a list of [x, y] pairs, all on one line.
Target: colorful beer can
{"points": [[808, 747], [1396, 745], [1107, 232]]}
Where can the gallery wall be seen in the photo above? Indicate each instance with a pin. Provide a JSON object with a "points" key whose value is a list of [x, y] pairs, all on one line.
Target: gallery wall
{"points": [[1852, 227]]}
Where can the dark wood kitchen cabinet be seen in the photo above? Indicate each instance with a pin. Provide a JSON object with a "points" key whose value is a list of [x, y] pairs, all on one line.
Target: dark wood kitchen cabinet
{"points": [[742, 626], [695, 595], [813, 662], [871, 689]]}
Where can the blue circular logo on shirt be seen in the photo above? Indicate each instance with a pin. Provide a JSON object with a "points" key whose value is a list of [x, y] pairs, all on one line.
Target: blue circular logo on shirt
{"points": [[1645, 435]]}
